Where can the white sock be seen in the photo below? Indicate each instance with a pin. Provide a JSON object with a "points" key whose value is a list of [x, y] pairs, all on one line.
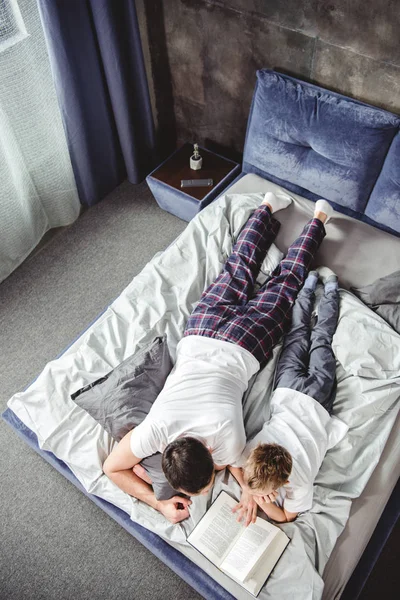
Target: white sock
{"points": [[325, 207], [277, 202]]}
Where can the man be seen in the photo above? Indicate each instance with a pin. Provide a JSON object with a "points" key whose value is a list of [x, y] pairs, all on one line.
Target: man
{"points": [[197, 420]]}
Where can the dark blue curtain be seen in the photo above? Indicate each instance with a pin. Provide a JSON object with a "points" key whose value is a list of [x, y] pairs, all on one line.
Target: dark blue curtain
{"points": [[98, 68]]}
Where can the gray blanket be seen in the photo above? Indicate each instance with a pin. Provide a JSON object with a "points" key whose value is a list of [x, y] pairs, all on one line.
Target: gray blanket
{"points": [[383, 296]]}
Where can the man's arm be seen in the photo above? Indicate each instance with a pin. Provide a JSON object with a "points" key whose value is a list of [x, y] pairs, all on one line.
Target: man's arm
{"points": [[119, 468], [237, 472]]}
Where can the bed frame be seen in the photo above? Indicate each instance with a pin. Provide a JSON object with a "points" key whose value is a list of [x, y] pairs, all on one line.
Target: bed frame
{"points": [[315, 143]]}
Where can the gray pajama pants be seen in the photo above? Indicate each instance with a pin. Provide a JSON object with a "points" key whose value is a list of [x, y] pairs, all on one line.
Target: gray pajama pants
{"points": [[307, 363]]}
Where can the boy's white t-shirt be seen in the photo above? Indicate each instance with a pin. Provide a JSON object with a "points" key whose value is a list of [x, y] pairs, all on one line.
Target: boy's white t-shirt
{"points": [[302, 426], [202, 398]]}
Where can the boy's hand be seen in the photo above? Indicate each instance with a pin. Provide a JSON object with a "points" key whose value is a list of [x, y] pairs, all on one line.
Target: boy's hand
{"points": [[270, 498], [171, 511], [259, 500], [247, 508], [274, 512]]}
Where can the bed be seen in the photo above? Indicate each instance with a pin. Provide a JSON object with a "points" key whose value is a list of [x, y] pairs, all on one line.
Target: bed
{"points": [[313, 143]]}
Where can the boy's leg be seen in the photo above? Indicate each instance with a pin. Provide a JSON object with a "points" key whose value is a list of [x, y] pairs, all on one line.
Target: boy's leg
{"points": [[321, 383], [261, 325], [235, 283], [292, 367]]}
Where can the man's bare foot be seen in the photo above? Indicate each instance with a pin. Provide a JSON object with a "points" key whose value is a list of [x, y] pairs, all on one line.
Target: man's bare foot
{"points": [[320, 215], [269, 206], [142, 473]]}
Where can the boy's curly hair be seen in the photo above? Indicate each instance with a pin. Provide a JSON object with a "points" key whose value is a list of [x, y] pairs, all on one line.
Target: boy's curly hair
{"points": [[268, 465]]}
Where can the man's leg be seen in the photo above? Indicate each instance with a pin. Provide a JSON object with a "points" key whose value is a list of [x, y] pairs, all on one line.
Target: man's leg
{"points": [[263, 320], [234, 285], [292, 367]]}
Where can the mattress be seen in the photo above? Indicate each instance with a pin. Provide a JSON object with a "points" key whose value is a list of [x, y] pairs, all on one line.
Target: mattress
{"points": [[358, 254], [158, 301]]}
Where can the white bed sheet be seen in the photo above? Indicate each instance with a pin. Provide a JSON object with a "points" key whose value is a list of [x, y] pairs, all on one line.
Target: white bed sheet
{"points": [[359, 254], [158, 301]]}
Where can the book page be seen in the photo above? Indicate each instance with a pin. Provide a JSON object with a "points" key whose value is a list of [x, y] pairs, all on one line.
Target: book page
{"points": [[254, 582], [218, 530], [248, 549]]}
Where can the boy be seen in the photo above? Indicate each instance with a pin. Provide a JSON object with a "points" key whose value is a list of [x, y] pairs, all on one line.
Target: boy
{"points": [[196, 421], [283, 459]]}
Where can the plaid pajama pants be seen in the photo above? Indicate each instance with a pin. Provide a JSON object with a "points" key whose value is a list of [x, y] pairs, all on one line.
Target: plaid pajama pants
{"points": [[229, 310]]}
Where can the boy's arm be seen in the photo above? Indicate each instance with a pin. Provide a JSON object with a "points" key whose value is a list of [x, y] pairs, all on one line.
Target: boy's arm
{"points": [[118, 467], [247, 508], [237, 472], [272, 510]]}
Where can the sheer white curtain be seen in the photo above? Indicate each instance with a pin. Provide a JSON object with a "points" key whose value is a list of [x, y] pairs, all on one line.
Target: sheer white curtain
{"points": [[37, 186]]}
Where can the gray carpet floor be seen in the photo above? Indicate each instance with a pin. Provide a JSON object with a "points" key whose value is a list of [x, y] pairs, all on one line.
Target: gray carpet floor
{"points": [[55, 544]]}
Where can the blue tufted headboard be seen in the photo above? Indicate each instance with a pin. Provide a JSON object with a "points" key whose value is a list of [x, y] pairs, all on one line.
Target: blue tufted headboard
{"points": [[320, 144]]}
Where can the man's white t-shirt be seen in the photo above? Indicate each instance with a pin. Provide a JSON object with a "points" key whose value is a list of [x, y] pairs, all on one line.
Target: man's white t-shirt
{"points": [[202, 398], [302, 426]]}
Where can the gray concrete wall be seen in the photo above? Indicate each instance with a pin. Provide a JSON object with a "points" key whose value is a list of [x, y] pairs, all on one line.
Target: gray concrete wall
{"points": [[203, 55]]}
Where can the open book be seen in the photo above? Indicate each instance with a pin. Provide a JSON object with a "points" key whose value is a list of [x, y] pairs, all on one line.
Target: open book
{"points": [[247, 554]]}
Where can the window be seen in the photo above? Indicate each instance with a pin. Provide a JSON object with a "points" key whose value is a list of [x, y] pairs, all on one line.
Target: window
{"points": [[12, 28]]}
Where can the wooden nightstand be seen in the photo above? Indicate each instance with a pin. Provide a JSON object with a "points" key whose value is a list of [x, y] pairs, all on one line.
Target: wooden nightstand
{"points": [[165, 181]]}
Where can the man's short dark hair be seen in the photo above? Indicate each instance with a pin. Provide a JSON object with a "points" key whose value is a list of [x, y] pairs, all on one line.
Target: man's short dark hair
{"points": [[188, 465]]}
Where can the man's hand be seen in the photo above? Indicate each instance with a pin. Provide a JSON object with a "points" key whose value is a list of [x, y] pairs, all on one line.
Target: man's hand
{"points": [[247, 508], [171, 511]]}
